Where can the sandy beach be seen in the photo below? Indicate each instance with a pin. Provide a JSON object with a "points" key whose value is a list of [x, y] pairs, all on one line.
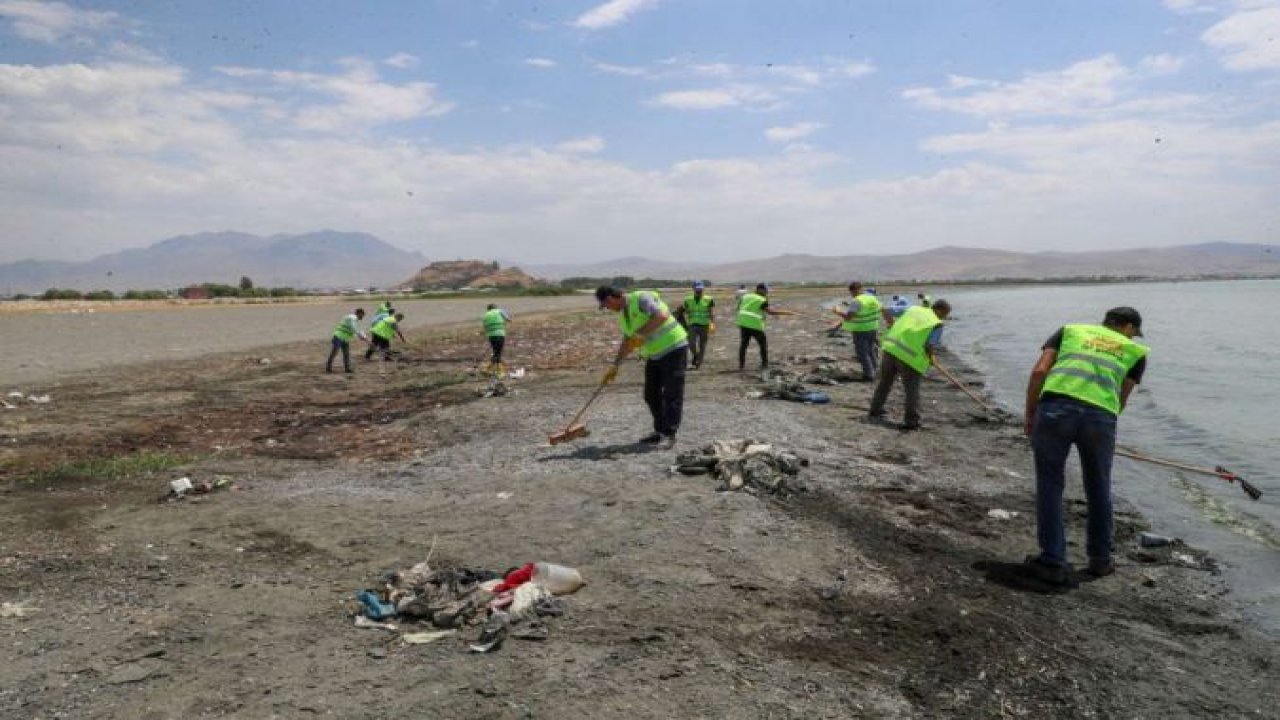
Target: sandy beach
{"points": [[878, 586]]}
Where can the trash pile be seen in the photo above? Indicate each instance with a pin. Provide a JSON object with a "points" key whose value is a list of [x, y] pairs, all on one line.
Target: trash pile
{"points": [[780, 387], [451, 599], [15, 398], [182, 488], [744, 465], [831, 374]]}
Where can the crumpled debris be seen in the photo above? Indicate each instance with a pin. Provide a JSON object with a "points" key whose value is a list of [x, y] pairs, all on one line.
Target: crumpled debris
{"points": [[831, 374], [17, 610], [743, 464], [796, 392], [495, 389], [422, 638]]}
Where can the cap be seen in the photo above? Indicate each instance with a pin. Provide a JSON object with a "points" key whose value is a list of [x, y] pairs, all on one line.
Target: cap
{"points": [[1123, 315], [699, 285], [762, 286]]}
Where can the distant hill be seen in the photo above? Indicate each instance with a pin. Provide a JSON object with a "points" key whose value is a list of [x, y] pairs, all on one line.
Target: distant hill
{"points": [[956, 263], [319, 259], [454, 274]]}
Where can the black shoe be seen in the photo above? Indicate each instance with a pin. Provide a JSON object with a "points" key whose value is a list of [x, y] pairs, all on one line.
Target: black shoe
{"points": [[909, 427], [1045, 573], [1101, 567], [651, 439], [668, 441]]}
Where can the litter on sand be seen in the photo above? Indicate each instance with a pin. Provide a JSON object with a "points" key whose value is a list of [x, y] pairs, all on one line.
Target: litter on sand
{"points": [[17, 610], [743, 464], [450, 599]]}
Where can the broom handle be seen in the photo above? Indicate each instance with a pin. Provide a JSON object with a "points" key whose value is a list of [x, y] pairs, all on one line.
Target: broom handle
{"points": [[1249, 488], [955, 381], [594, 395]]}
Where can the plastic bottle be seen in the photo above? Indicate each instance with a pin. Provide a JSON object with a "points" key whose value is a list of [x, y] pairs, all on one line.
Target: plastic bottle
{"points": [[558, 579]]}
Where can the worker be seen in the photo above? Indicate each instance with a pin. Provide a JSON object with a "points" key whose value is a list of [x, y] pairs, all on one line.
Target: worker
{"points": [[862, 317], [342, 335], [1075, 395], [738, 294], [495, 328], [697, 315], [925, 299], [384, 311], [897, 305], [649, 328], [751, 324], [381, 334], [909, 347]]}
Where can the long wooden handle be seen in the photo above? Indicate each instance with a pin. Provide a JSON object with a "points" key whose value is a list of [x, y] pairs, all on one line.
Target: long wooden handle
{"points": [[594, 395], [956, 381], [1249, 488]]}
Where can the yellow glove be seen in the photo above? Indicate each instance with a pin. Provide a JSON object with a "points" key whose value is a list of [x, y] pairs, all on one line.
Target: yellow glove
{"points": [[634, 342], [711, 329], [609, 375]]}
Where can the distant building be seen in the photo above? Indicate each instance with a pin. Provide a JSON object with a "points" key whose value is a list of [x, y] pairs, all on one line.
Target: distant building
{"points": [[195, 292]]}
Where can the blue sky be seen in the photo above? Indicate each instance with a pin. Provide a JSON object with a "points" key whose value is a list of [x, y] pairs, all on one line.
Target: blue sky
{"points": [[706, 130]]}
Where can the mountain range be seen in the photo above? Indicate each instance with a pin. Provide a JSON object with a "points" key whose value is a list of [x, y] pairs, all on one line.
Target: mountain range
{"points": [[330, 259], [319, 259]]}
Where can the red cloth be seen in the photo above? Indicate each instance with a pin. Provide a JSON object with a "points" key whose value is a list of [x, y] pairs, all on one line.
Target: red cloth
{"points": [[515, 579]]}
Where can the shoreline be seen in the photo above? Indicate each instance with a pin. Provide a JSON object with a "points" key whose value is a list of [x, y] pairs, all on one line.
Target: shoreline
{"points": [[860, 595]]}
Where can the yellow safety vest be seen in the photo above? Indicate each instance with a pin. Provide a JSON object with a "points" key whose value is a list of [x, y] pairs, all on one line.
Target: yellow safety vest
{"points": [[907, 337], [1092, 364], [632, 318], [868, 317]]}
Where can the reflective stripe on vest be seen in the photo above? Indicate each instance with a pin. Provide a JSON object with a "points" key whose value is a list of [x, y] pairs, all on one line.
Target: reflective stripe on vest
{"points": [[667, 336], [344, 330], [1091, 366], [906, 339], [868, 317], [698, 312], [494, 324], [385, 329], [751, 312]]}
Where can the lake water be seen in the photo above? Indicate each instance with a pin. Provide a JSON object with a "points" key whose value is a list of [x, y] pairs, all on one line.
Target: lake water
{"points": [[1210, 396]]}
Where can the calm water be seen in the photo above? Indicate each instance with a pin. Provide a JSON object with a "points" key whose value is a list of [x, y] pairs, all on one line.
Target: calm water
{"points": [[1211, 396]]}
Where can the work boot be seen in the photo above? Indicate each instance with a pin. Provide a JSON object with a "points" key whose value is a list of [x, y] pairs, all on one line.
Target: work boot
{"points": [[1046, 573], [652, 438], [1101, 567], [668, 442]]}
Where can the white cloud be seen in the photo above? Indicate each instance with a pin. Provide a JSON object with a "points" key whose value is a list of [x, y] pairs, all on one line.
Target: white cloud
{"points": [[1248, 40], [53, 22], [582, 146], [749, 96], [626, 70], [614, 12], [792, 132], [713, 69], [402, 60], [1188, 7], [358, 97], [855, 69], [1162, 64], [1082, 86], [540, 62]]}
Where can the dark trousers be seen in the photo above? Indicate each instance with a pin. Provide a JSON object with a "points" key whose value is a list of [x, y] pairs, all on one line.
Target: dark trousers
{"points": [[746, 336], [496, 343], [664, 390], [890, 368], [378, 344], [1059, 424], [697, 343], [339, 345], [864, 345]]}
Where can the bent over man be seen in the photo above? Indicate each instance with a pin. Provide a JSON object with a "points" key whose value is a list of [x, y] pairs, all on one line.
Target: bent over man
{"points": [[648, 327], [342, 335], [1077, 390], [908, 351]]}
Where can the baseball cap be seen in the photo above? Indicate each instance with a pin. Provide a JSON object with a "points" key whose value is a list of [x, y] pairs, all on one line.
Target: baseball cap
{"points": [[602, 293], [1122, 315], [699, 285]]}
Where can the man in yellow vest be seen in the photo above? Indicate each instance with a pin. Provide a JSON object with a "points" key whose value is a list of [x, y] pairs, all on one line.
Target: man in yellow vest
{"points": [[698, 316], [908, 351], [752, 309], [495, 329], [346, 331], [862, 318], [380, 336], [1076, 393], [649, 328]]}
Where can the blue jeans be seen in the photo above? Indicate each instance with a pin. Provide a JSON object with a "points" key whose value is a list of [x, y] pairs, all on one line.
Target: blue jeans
{"points": [[1059, 424], [864, 344]]}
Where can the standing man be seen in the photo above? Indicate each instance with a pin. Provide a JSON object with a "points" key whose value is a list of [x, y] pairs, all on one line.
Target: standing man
{"points": [[925, 299], [495, 328], [738, 294], [908, 351], [382, 332], [1076, 393], [697, 314], [384, 310], [897, 306], [647, 326], [862, 319], [342, 335], [752, 310]]}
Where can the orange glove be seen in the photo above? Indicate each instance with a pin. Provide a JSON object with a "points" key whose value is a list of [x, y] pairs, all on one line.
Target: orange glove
{"points": [[634, 342], [711, 329]]}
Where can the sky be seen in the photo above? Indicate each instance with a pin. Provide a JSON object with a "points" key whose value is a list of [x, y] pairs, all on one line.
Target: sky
{"points": [[680, 130]]}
